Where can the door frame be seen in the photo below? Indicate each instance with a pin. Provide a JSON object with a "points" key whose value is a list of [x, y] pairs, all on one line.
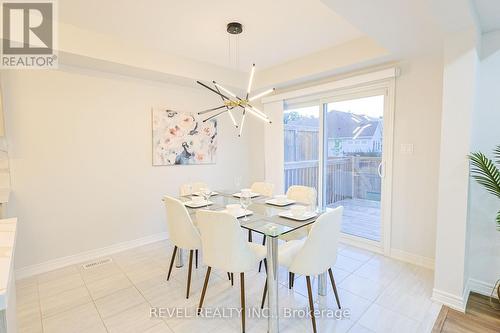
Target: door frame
{"points": [[386, 87]]}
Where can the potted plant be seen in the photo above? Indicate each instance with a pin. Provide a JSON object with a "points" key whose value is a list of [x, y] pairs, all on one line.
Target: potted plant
{"points": [[486, 173]]}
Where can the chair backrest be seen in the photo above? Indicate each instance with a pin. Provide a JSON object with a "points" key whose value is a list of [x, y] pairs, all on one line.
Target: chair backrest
{"points": [[195, 187], [302, 194], [320, 248], [263, 188], [224, 242], [180, 227]]}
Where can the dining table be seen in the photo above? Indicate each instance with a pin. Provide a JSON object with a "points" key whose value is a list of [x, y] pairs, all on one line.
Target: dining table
{"points": [[264, 219]]}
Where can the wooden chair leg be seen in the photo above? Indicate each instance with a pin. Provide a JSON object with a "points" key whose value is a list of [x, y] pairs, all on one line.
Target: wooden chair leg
{"points": [[190, 268], [332, 280], [196, 262], [232, 279], [291, 278], [171, 262], [311, 302], [204, 290], [263, 243], [264, 296], [243, 310]]}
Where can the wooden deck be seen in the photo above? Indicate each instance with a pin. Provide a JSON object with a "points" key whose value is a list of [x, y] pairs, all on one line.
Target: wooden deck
{"points": [[361, 218]]}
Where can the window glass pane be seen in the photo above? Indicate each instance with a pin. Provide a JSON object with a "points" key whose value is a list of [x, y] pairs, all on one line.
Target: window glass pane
{"points": [[353, 149]]}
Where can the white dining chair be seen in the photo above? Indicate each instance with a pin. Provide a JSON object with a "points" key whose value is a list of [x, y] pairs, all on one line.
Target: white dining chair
{"points": [[315, 255], [263, 188], [182, 233], [225, 248], [190, 188], [302, 194]]}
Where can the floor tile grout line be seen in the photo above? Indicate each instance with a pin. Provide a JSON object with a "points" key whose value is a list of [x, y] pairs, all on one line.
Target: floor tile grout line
{"points": [[93, 302], [39, 304], [147, 301]]}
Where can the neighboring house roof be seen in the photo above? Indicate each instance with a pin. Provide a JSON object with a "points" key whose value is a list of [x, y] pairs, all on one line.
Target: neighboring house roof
{"points": [[340, 124]]}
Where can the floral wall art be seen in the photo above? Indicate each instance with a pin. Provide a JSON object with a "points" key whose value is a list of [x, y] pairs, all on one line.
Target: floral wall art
{"points": [[181, 138]]}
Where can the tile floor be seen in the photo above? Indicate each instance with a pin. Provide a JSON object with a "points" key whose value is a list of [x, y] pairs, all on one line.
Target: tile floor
{"points": [[383, 295]]}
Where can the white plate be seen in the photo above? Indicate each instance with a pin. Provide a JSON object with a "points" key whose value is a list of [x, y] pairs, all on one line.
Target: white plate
{"points": [[275, 202], [192, 204], [252, 195], [288, 214], [199, 194], [241, 213]]}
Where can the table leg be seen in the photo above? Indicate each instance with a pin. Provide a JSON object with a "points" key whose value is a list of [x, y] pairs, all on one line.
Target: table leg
{"points": [[272, 283], [179, 260], [322, 285]]}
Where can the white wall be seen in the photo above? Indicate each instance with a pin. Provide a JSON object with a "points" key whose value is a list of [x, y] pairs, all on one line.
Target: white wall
{"points": [[484, 251], [80, 149], [459, 87], [415, 176]]}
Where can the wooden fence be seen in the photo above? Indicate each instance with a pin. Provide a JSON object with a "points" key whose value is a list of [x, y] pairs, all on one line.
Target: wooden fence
{"points": [[352, 177]]}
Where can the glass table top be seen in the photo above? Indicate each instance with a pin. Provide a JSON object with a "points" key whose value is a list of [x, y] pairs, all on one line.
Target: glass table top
{"points": [[264, 218]]}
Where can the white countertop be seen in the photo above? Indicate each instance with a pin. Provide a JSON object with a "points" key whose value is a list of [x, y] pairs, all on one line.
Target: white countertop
{"points": [[7, 243]]}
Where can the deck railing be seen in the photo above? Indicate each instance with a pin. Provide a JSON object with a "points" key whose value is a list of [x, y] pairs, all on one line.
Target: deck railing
{"points": [[352, 177]]}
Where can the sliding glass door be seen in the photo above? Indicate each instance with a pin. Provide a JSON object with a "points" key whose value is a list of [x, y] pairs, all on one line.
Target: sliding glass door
{"points": [[353, 148], [338, 145]]}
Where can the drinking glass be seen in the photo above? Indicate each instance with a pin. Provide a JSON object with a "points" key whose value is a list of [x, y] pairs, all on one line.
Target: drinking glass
{"points": [[206, 192], [245, 201], [189, 188]]}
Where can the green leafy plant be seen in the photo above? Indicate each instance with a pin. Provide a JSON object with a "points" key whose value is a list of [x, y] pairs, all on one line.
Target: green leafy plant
{"points": [[486, 173]]}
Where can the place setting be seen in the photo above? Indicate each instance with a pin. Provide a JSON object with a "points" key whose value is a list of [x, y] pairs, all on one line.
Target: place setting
{"points": [[298, 213]]}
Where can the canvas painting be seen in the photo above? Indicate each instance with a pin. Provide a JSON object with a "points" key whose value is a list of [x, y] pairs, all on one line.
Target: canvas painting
{"points": [[180, 139]]}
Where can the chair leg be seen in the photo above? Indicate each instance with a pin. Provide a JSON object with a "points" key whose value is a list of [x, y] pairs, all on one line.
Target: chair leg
{"points": [[171, 262], [249, 235], [189, 272], [229, 276], [332, 280], [232, 279], [311, 302], [291, 278], [263, 243], [264, 296], [243, 312], [196, 262], [204, 290]]}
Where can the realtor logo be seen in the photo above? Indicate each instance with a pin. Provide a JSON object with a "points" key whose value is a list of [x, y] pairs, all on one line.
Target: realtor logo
{"points": [[28, 35]]}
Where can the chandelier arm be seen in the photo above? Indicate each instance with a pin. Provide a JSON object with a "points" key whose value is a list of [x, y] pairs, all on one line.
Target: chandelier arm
{"points": [[228, 109], [212, 90], [215, 115], [210, 110], [257, 111]]}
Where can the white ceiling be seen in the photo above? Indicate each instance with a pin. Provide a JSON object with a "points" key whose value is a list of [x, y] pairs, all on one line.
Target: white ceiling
{"points": [[274, 31], [488, 12]]}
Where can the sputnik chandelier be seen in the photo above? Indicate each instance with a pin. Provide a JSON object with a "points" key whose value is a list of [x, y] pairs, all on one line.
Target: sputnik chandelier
{"points": [[230, 101]]}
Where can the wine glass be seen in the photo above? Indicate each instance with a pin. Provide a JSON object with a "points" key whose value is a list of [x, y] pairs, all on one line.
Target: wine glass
{"points": [[189, 189], [245, 201], [206, 192]]}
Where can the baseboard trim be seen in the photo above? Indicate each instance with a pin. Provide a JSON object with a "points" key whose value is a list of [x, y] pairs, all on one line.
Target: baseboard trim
{"points": [[450, 300], [481, 287], [411, 258], [50, 265]]}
